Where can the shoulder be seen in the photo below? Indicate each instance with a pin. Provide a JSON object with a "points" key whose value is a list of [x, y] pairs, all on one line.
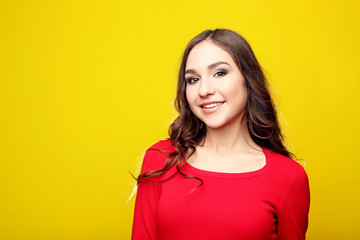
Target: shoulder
{"points": [[293, 188], [156, 155], [164, 144], [287, 169], [160, 149], [291, 180]]}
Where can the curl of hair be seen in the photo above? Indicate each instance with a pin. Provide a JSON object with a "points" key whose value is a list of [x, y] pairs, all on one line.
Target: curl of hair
{"points": [[187, 131]]}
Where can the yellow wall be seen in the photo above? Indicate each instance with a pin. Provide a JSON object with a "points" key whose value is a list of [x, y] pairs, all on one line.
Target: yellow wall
{"points": [[87, 86]]}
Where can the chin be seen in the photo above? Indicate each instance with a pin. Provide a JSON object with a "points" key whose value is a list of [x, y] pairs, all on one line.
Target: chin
{"points": [[214, 125], [217, 123]]}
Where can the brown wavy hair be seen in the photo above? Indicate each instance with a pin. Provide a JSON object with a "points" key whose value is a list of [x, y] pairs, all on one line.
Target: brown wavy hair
{"points": [[187, 131]]}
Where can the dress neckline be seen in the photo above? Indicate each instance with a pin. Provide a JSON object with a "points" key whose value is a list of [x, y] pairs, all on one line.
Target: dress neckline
{"points": [[202, 172]]}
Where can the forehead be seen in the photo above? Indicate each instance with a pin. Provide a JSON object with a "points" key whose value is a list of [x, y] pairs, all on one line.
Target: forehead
{"points": [[206, 53]]}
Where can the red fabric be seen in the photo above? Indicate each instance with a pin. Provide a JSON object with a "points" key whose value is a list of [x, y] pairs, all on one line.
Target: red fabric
{"points": [[269, 203]]}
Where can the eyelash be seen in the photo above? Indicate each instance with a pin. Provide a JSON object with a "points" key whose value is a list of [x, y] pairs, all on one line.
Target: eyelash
{"points": [[192, 81], [223, 73]]}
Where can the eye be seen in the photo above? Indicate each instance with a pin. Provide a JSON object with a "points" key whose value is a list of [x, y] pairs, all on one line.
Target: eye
{"points": [[220, 73], [192, 80]]}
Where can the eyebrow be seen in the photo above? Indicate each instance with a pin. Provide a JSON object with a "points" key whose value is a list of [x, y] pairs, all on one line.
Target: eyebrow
{"points": [[211, 66]]}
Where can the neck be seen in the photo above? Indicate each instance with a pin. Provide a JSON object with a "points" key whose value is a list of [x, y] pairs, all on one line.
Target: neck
{"points": [[232, 137]]}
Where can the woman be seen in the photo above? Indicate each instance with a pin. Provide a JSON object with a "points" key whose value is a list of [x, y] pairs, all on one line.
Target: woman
{"points": [[224, 173]]}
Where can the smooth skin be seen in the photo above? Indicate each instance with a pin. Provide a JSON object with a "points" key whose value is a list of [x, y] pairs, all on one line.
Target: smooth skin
{"points": [[212, 76]]}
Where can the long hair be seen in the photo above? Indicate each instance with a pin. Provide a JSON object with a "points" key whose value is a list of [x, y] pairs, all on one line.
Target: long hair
{"points": [[187, 131]]}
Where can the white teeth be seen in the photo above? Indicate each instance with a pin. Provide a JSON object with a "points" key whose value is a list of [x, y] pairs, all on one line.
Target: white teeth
{"points": [[212, 105]]}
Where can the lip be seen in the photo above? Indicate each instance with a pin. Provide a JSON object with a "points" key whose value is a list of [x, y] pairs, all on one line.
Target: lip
{"points": [[211, 110], [207, 103]]}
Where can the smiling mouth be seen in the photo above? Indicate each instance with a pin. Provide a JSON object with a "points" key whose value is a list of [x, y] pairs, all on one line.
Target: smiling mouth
{"points": [[212, 105]]}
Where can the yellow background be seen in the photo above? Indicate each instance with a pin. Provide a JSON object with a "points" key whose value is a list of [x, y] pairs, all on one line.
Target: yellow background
{"points": [[87, 86]]}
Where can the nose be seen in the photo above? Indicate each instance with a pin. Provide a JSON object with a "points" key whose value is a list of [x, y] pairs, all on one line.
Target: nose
{"points": [[206, 88]]}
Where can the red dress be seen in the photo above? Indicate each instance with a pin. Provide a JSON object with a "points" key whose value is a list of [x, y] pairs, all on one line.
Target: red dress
{"points": [[269, 203]]}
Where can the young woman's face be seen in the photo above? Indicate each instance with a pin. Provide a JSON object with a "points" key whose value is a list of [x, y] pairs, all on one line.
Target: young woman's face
{"points": [[215, 88]]}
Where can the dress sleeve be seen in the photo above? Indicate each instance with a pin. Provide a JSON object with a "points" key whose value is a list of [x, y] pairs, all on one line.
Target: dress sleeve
{"points": [[148, 192], [293, 214]]}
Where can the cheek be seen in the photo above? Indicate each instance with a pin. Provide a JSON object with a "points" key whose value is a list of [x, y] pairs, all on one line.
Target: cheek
{"points": [[189, 96], [191, 99], [236, 92]]}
